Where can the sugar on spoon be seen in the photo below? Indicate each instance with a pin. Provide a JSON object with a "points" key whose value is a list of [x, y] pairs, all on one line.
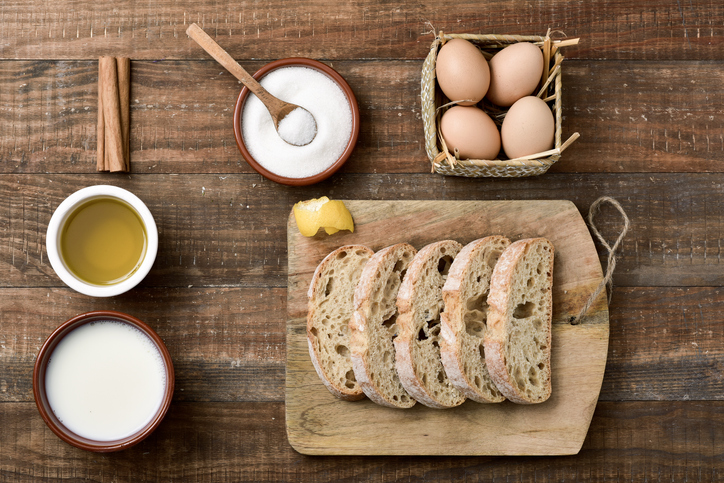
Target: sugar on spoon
{"points": [[294, 124]]}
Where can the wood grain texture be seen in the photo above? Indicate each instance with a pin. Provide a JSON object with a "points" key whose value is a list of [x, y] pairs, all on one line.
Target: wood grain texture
{"points": [[622, 30], [644, 88], [229, 229], [630, 441], [235, 248], [227, 344], [632, 117], [318, 423], [665, 344], [643, 117]]}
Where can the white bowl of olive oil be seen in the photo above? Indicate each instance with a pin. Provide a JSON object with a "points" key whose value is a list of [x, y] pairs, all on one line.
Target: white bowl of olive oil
{"points": [[102, 241]]}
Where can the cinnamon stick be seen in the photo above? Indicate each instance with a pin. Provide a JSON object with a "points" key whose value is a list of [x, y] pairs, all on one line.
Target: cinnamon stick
{"points": [[101, 132], [124, 96], [112, 115], [114, 84]]}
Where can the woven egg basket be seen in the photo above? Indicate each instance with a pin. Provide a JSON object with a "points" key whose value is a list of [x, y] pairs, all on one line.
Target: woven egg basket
{"points": [[448, 163]]}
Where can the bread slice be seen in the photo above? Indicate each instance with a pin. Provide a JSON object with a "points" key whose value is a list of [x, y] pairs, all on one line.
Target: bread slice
{"points": [[464, 321], [331, 304], [417, 346], [518, 336], [374, 326]]}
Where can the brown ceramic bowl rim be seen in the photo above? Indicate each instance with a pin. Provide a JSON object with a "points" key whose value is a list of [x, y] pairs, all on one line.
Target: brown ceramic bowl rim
{"points": [[339, 80], [41, 399]]}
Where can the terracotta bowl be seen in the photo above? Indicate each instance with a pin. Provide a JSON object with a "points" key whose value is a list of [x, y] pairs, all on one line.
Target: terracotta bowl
{"points": [[41, 399], [329, 72]]}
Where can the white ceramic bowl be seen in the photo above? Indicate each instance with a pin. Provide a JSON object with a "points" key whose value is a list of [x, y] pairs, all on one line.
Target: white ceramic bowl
{"points": [[55, 228]]}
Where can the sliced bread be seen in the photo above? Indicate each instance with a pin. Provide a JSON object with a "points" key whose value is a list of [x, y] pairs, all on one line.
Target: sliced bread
{"points": [[518, 336], [331, 304], [417, 346], [464, 321], [374, 326]]}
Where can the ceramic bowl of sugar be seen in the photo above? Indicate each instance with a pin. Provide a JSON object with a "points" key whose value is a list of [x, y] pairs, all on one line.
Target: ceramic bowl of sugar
{"points": [[320, 90], [103, 381]]}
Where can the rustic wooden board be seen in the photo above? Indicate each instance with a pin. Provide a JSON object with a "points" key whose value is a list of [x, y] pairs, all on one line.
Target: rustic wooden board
{"points": [[318, 423]]}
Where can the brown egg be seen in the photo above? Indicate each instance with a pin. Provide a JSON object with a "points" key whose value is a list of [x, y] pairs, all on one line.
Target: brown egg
{"points": [[462, 72], [528, 128], [471, 132], [515, 72]]}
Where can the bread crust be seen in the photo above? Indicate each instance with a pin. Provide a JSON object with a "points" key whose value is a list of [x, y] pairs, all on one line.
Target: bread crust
{"points": [[501, 303], [370, 340], [412, 306], [315, 295], [463, 363]]}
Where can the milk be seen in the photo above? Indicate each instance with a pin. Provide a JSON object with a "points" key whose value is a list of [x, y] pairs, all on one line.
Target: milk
{"points": [[105, 380]]}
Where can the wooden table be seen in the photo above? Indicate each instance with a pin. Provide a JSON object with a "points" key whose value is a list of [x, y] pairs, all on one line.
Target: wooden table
{"points": [[644, 88]]}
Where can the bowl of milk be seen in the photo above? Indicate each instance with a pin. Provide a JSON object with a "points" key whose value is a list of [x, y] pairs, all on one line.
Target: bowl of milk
{"points": [[103, 381]]}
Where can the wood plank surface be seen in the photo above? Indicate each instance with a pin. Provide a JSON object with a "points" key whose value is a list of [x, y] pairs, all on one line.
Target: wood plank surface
{"points": [[629, 29], [627, 441], [230, 229], [228, 343], [643, 87], [632, 116], [665, 344]]}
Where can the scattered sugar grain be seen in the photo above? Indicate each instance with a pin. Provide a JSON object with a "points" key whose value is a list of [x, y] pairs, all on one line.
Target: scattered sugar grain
{"points": [[298, 127], [323, 98]]}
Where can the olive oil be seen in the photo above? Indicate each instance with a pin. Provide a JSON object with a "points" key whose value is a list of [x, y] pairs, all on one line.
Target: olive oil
{"points": [[103, 241]]}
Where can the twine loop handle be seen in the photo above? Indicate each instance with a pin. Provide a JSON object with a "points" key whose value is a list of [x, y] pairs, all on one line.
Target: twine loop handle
{"points": [[611, 261]]}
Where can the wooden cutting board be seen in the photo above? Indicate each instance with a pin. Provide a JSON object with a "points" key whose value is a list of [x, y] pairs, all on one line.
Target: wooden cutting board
{"points": [[319, 423]]}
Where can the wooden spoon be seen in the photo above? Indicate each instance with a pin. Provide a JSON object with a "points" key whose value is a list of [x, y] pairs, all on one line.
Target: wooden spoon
{"points": [[277, 108]]}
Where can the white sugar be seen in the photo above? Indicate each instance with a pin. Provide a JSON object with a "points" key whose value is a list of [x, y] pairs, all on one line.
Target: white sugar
{"points": [[318, 94], [298, 127]]}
